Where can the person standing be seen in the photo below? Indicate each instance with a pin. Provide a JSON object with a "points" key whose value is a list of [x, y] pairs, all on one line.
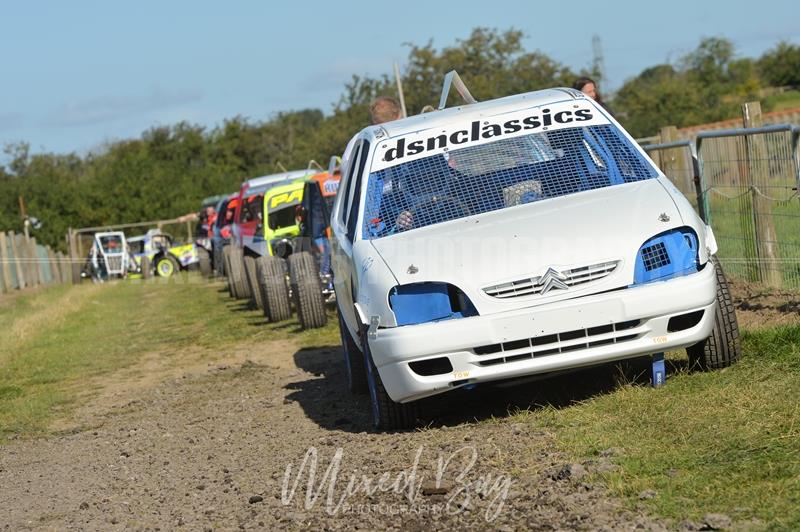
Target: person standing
{"points": [[589, 87], [381, 110]]}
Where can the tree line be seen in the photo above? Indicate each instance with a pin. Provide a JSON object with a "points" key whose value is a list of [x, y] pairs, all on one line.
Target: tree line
{"points": [[170, 169]]}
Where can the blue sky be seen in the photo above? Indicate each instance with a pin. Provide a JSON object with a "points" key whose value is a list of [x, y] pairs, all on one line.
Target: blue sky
{"points": [[79, 73]]}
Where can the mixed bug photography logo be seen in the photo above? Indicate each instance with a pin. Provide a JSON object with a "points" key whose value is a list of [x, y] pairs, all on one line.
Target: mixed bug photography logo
{"points": [[447, 484]]}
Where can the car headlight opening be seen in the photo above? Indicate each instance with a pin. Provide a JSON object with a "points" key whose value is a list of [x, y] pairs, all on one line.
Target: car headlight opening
{"points": [[427, 302], [670, 254]]}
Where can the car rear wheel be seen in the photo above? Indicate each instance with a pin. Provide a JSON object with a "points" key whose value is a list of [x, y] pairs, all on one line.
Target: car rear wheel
{"points": [[272, 280], [252, 282], [723, 347], [166, 266], [237, 274], [226, 261], [353, 360], [204, 261], [307, 290], [219, 260], [386, 414]]}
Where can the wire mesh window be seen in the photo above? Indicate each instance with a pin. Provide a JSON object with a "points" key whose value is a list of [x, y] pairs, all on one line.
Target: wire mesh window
{"points": [[497, 175], [655, 256]]}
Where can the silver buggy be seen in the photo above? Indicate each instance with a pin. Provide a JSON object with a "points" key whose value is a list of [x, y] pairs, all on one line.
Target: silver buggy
{"points": [[109, 256]]}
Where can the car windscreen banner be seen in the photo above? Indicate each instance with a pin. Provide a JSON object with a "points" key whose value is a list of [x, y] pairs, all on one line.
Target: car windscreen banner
{"points": [[549, 117]]}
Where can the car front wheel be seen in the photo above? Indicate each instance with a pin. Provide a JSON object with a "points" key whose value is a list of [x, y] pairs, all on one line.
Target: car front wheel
{"points": [[166, 266], [386, 414], [723, 347]]}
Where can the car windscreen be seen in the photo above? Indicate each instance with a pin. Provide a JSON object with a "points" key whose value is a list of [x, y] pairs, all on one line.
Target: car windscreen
{"points": [[284, 217], [459, 182], [111, 244]]}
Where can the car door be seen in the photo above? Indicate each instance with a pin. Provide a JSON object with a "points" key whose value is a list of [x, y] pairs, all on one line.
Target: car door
{"points": [[342, 220]]}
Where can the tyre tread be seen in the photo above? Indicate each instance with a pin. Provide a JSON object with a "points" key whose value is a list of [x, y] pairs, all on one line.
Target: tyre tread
{"points": [[272, 280], [307, 290], [723, 347]]}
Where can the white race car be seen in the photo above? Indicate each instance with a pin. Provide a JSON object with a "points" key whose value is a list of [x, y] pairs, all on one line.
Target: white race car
{"points": [[519, 236]]}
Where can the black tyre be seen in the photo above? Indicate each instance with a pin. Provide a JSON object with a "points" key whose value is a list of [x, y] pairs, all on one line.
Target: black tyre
{"points": [[353, 360], [147, 268], [386, 414], [252, 282], [237, 274], [219, 260], [307, 290], [226, 260], [204, 261], [272, 280], [166, 266], [723, 347]]}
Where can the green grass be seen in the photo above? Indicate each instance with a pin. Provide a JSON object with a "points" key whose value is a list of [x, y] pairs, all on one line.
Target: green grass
{"points": [[785, 100], [61, 338], [725, 441]]}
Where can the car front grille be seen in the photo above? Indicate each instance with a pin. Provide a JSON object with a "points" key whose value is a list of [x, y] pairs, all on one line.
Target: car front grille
{"points": [[533, 285], [552, 344], [114, 263]]}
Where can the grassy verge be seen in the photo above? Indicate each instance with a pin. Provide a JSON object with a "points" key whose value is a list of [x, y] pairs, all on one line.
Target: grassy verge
{"points": [[726, 441], [55, 340], [783, 101]]}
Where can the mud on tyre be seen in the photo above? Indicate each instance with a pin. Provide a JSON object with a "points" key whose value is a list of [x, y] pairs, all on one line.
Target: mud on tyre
{"points": [[271, 272], [251, 277], [307, 290], [236, 273]]}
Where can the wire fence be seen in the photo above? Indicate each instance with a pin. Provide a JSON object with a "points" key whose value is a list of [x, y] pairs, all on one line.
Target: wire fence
{"points": [[744, 183]]}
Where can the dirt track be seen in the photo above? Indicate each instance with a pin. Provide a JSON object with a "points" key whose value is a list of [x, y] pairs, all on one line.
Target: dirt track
{"points": [[209, 447], [195, 445]]}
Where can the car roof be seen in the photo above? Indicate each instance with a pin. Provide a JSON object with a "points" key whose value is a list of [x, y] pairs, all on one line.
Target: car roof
{"points": [[275, 178], [288, 187], [211, 200], [460, 113]]}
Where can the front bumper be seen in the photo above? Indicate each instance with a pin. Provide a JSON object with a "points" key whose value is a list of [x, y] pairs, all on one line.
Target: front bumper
{"points": [[616, 325]]}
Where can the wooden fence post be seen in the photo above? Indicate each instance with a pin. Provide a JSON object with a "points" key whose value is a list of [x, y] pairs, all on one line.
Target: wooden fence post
{"points": [[66, 269], [17, 258], [5, 263], [74, 263], [668, 134], [33, 262], [758, 181], [55, 272]]}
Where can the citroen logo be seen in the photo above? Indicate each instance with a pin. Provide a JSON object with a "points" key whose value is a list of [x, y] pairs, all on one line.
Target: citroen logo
{"points": [[552, 280]]}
